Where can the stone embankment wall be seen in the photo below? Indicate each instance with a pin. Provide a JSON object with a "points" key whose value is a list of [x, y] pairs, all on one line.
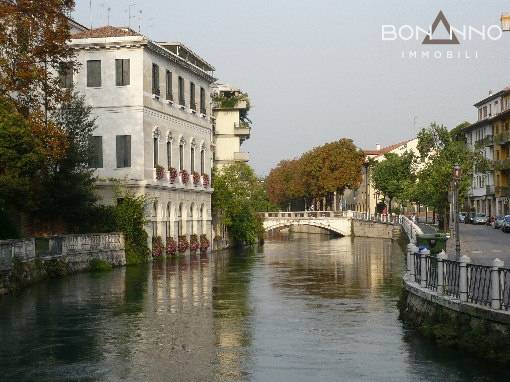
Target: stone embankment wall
{"points": [[23, 262], [362, 228]]}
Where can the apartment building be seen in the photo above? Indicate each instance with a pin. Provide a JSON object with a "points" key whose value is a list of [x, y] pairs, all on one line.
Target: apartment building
{"points": [[154, 129], [490, 134], [232, 125]]}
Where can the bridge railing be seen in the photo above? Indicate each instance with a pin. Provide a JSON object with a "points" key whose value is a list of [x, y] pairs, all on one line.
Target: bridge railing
{"points": [[410, 228], [305, 214], [481, 285]]}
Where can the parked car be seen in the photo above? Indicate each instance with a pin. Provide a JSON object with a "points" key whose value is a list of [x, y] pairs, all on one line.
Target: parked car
{"points": [[480, 219], [498, 222], [468, 219], [462, 217], [505, 227]]}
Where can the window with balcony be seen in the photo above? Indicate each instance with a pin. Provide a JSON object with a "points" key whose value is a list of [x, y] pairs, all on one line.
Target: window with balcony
{"points": [[155, 145], [155, 79], [123, 151], [122, 72], [192, 101], [94, 73], [181, 157], [182, 101], [169, 154], [202, 161], [169, 94], [192, 156]]}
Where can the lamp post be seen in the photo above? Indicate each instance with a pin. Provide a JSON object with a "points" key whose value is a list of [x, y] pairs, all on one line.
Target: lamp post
{"points": [[457, 173], [367, 207]]}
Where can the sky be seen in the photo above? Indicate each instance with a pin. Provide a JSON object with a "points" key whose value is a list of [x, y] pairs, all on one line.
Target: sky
{"points": [[319, 70]]}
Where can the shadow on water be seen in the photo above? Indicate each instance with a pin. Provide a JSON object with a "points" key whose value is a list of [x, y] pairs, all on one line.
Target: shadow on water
{"points": [[301, 308]]}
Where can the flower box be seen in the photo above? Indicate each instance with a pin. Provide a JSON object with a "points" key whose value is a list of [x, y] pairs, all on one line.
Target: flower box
{"points": [[205, 180], [184, 177], [172, 174], [182, 245], [171, 246], [160, 172], [196, 178], [157, 246]]}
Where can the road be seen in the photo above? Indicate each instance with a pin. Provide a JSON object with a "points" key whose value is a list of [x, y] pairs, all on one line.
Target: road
{"points": [[482, 244]]}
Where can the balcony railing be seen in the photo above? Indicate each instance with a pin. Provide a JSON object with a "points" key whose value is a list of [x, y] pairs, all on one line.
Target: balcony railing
{"points": [[488, 140], [242, 128], [503, 164], [490, 190], [502, 138], [241, 157]]}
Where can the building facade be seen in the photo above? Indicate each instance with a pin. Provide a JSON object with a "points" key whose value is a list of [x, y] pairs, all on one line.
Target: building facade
{"points": [[490, 135], [154, 127], [231, 125]]}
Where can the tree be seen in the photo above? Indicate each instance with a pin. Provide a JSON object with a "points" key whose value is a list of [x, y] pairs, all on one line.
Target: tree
{"points": [[238, 197], [440, 150], [394, 175], [67, 193]]}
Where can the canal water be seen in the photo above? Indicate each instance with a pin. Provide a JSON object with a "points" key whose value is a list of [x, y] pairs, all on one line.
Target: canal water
{"points": [[302, 308]]}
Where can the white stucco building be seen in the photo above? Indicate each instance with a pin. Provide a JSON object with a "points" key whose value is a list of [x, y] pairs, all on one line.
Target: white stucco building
{"points": [[153, 108], [232, 126]]}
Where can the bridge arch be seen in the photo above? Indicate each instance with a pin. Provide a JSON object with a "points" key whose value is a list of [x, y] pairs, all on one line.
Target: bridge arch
{"points": [[337, 229]]}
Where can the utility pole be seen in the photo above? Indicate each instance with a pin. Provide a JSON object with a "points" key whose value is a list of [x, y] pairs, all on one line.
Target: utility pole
{"points": [[456, 180]]}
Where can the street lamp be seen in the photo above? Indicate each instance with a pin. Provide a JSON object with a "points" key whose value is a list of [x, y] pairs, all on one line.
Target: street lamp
{"points": [[457, 173]]}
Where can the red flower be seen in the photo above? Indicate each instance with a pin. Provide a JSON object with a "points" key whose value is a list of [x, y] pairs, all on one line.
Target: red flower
{"points": [[196, 178], [157, 246], [173, 174], [205, 180], [160, 172], [171, 246], [184, 176]]}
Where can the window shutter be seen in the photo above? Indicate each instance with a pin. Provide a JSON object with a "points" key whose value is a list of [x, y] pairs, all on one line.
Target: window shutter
{"points": [[118, 72], [126, 72], [93, 73], [128, 150], [99, 151]]}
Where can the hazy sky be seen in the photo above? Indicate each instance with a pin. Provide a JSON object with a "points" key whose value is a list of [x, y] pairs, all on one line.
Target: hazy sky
{"points": [[318, 70]]}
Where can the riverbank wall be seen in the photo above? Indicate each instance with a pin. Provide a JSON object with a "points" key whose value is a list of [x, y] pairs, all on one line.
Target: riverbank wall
{"points": [[458, 304], [24, 262], [373, 229]]}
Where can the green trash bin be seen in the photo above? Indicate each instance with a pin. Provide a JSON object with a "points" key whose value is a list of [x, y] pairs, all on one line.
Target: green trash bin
{"points": [[434, 242]]}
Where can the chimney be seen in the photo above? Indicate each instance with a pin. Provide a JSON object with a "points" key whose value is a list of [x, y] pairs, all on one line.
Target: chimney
{"points": [[378, 147], [490, 92]]}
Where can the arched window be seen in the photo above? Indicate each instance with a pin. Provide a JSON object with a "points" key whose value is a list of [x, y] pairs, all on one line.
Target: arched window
{"points": [[168, 219], [169, 153], [179, 221], [181, 156], [192, 158], [155, 146], [155, 219], [190, 218]]}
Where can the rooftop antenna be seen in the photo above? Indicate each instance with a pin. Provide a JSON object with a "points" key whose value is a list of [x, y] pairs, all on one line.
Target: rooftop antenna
{"points": [[90, 13], [108, 10], [139, 21], [129, 14]]}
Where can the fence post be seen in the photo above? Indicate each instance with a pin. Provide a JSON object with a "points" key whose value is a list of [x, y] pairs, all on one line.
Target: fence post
{"points": [[410, 262], [424, 253], [441, 256], [463, 278], [495, 284]]}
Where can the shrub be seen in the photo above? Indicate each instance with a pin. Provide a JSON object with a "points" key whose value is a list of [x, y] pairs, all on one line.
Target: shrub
{"points": [[204, 243], [157, 246], [183, 245], [184, 176], [160, 172], [173, 174], [196, 178], [98, 265], [193, 243], [205, 179], [171, 246]]}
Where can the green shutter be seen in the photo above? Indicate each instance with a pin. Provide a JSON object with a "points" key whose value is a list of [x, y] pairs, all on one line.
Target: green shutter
{"points": [[126, 72]]}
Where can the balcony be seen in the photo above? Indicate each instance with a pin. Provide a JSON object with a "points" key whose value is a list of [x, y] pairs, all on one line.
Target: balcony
{"points": [[490, 190], [502, 138], [241, 157], [502, 191], [503, 164], [488, 140], [242, 129]]}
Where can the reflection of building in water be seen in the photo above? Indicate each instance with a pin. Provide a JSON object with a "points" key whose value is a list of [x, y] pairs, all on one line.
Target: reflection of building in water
{"points": [[343, 268]]}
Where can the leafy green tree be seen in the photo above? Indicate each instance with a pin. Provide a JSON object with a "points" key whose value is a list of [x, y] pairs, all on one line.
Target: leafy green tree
{"points": [[238, 197], [394, 176]]}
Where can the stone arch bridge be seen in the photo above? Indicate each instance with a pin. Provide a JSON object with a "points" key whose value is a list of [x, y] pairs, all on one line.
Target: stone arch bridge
{"points": [[336, 222]]}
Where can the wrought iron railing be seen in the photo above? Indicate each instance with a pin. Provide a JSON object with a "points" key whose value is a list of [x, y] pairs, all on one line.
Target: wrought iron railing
{"points": [[451, 278], [504, 278], [417, 267], [431, 272], [479, 284]]}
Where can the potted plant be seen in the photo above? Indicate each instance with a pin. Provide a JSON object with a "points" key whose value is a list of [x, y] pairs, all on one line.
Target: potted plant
{"points": [[182, 245], [171, 246], [173, 174], [193, 243], [196, 178], [204, 243], [157, 247], [184, 177], [160, 172], [205, 180]]}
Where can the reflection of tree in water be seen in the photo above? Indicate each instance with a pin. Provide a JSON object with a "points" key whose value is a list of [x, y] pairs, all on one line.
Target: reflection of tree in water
{"points": [[233, 274], [55, 328], [342, 268]]}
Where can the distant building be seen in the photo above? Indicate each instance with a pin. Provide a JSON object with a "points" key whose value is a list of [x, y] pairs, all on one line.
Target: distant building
{"points": [[232, 126], [153, 108], [490, 191], [365, 198]]}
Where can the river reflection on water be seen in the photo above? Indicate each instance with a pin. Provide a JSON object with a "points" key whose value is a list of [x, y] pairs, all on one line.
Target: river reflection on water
{"points": [[303, 308]]}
